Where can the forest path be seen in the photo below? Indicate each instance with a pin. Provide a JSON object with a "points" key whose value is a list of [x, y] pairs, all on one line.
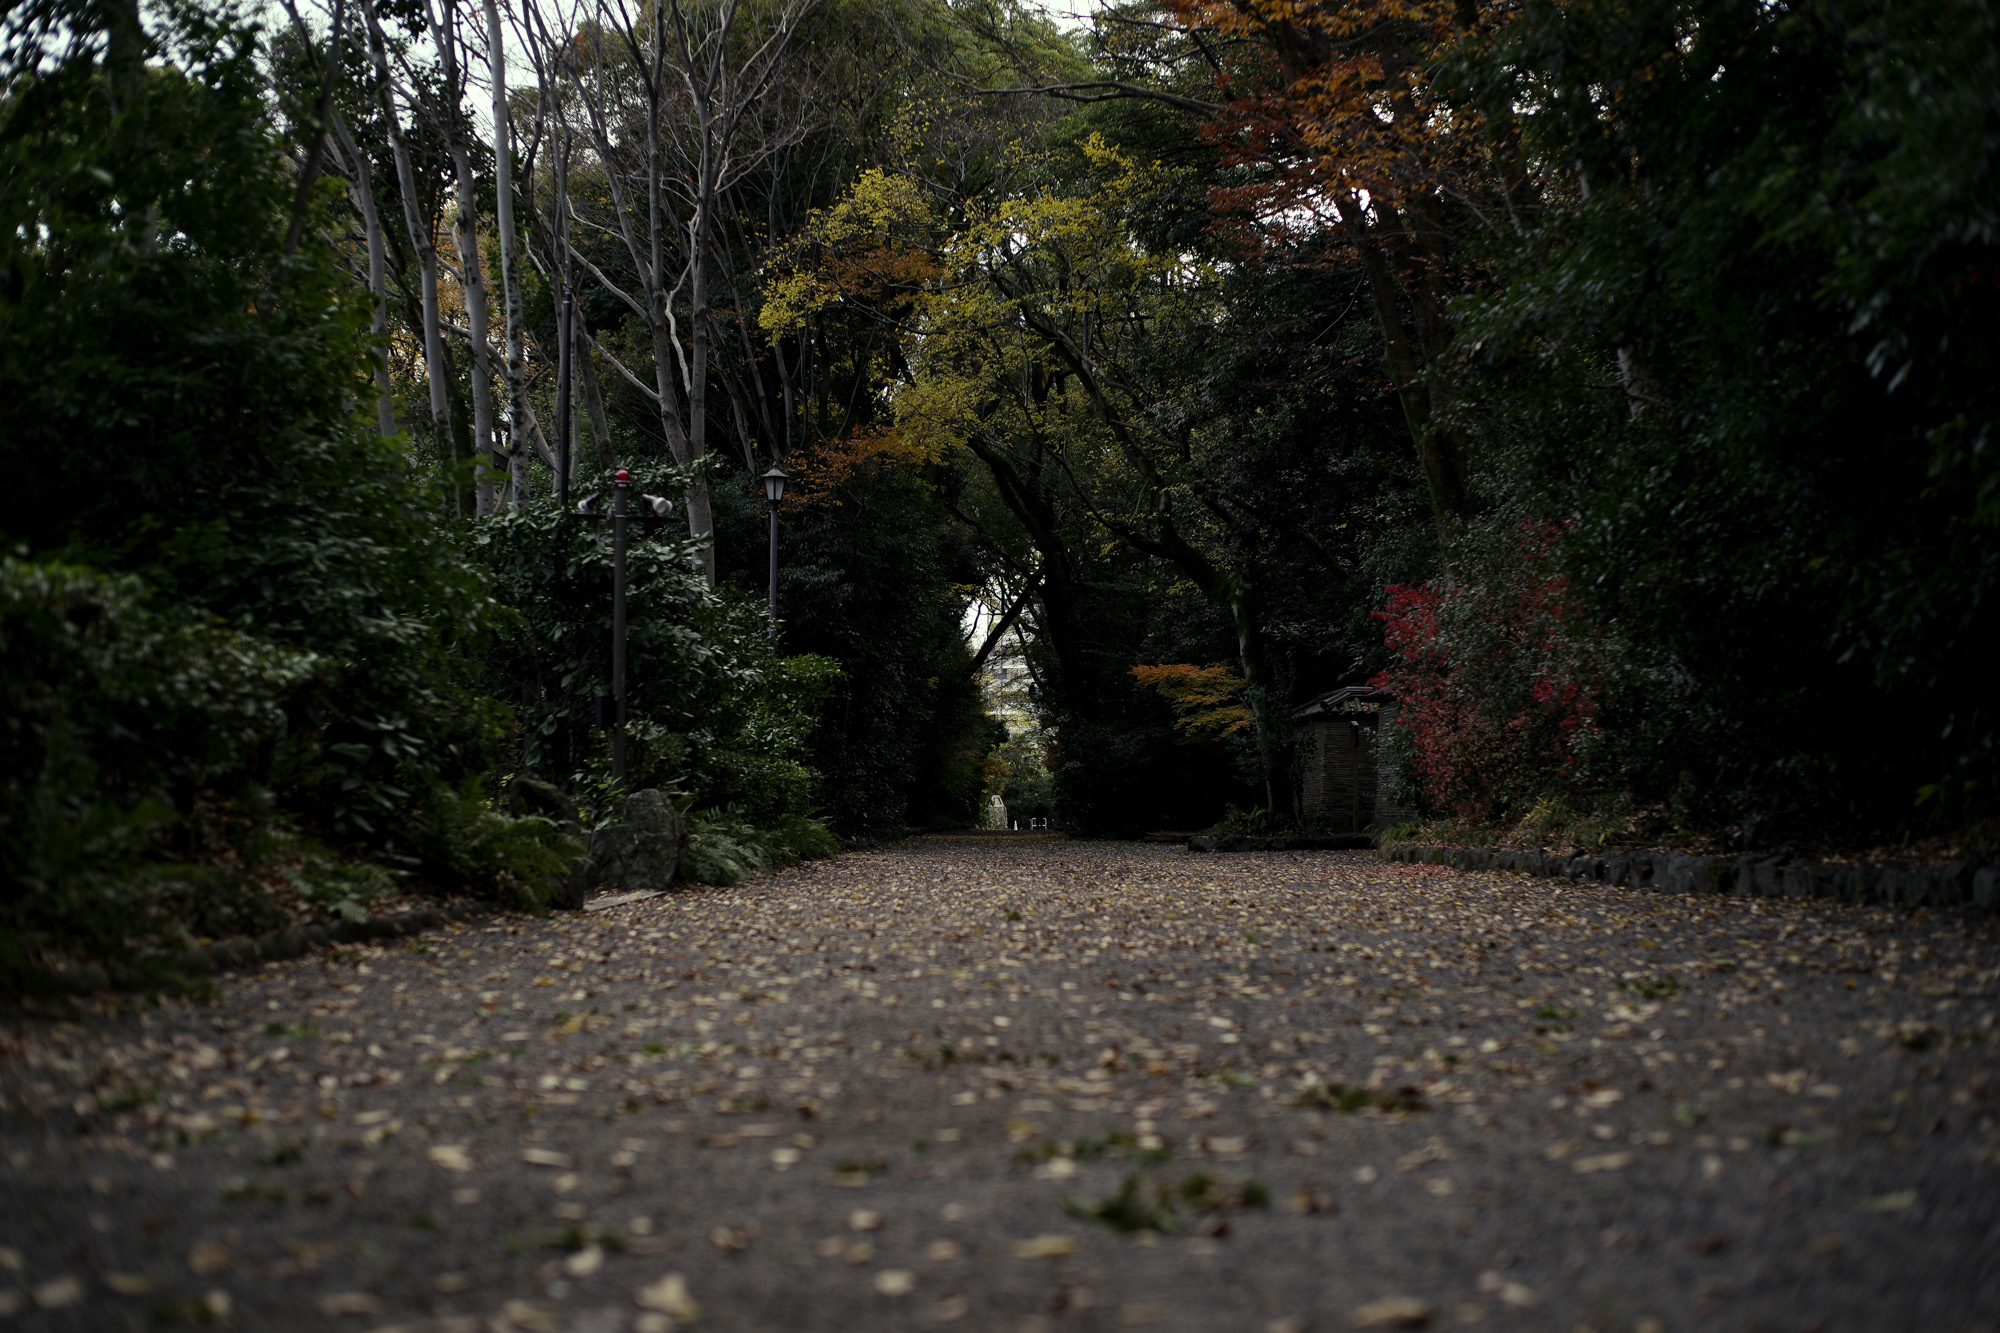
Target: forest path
{"points": [[1301, 1090]]}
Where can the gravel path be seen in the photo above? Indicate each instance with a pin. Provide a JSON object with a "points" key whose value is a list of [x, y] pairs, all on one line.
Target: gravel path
{"points": [[1030, 1084]]}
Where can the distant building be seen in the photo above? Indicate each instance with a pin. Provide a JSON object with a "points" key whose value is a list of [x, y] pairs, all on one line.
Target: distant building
{"points": [[1343, 769]]}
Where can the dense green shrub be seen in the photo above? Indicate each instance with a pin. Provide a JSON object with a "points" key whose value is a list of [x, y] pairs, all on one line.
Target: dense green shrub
{"points": [[462, 840], [181, 392], [723, 846], [1743, 357], [135, 743], [712, 709]]}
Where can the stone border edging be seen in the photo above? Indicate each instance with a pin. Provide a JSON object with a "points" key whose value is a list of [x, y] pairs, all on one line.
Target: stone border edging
{"points": [[292, 942], [1961, 884], [1249, 842]]}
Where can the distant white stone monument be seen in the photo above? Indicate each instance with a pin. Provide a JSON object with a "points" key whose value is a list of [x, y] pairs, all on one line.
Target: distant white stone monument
{"points": [[996, 812]]}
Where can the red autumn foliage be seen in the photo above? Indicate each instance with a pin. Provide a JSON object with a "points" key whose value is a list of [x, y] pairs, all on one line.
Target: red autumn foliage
{"points": [[1501, 683]]}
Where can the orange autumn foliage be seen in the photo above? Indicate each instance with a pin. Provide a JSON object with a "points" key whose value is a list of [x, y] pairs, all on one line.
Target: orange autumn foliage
{"points": [[821, 468], [1208, 700], [1353, 102]]}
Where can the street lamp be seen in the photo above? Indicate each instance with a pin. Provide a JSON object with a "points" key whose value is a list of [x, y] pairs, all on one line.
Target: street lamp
{"points": [[774, 491]]}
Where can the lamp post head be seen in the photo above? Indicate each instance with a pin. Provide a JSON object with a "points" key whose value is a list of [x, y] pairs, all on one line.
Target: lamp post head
{"points": [[774, 484]]}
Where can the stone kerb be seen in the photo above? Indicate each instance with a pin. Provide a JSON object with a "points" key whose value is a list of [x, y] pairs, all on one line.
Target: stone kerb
{"points": [[1963, 884]]}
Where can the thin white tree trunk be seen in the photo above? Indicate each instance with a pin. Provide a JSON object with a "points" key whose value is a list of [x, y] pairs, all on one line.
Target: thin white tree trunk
{"points": [[471, 269], [361, 189], [510, 271], [435, 373]]}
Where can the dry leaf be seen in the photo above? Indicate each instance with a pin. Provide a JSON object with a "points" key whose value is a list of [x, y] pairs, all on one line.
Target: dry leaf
{"points": [[585, 1261], [530, 1318], [207, 1259], [1888, 1203], [944, 1251], [895, 1282], [670, 1297], [544, 1157], [348, 1302], [130, 1284], [1045, 1247], [53, 1295], [866, 1219], [732, 1239], [450, 1156], [1611, 1161], [1393, 1312]]}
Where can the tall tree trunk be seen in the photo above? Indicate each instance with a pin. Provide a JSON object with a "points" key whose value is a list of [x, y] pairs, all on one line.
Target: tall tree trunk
{"points": [[362, 192], [1438, 450], [701, 518], [471, 268], [436, 371], [593, 398], [510, 275]]}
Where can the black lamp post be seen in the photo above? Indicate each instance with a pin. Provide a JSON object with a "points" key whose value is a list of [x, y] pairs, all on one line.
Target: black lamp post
{"points": [[774, 491]]}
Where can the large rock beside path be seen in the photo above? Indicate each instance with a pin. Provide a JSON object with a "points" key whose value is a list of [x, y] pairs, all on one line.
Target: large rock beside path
{"points": [[642, 851]]}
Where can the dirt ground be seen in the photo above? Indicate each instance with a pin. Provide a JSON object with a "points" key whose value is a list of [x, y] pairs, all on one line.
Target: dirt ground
{"points": [[1033, 1085]]}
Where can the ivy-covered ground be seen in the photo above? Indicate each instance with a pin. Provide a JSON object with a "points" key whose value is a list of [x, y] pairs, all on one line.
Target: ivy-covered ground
{"points": [[1031, 1084]]}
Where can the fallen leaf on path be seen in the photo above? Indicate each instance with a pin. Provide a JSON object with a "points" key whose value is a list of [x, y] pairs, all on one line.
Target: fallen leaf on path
{"points": [[450, 1156], [58, 1293], [1045, 1247], [530, 1318], [866, 1219], [207, 1259], [670, 1297], [1393, 1312], [1611, 1161], [730, 1240], [1888, 1203], [130, 1284], [585, 1261], [895, 1282], [544, 1157], [348, 1302]]}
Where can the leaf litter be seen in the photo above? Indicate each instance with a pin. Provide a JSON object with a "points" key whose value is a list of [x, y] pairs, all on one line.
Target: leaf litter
{"points": [[912, 1022]]}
